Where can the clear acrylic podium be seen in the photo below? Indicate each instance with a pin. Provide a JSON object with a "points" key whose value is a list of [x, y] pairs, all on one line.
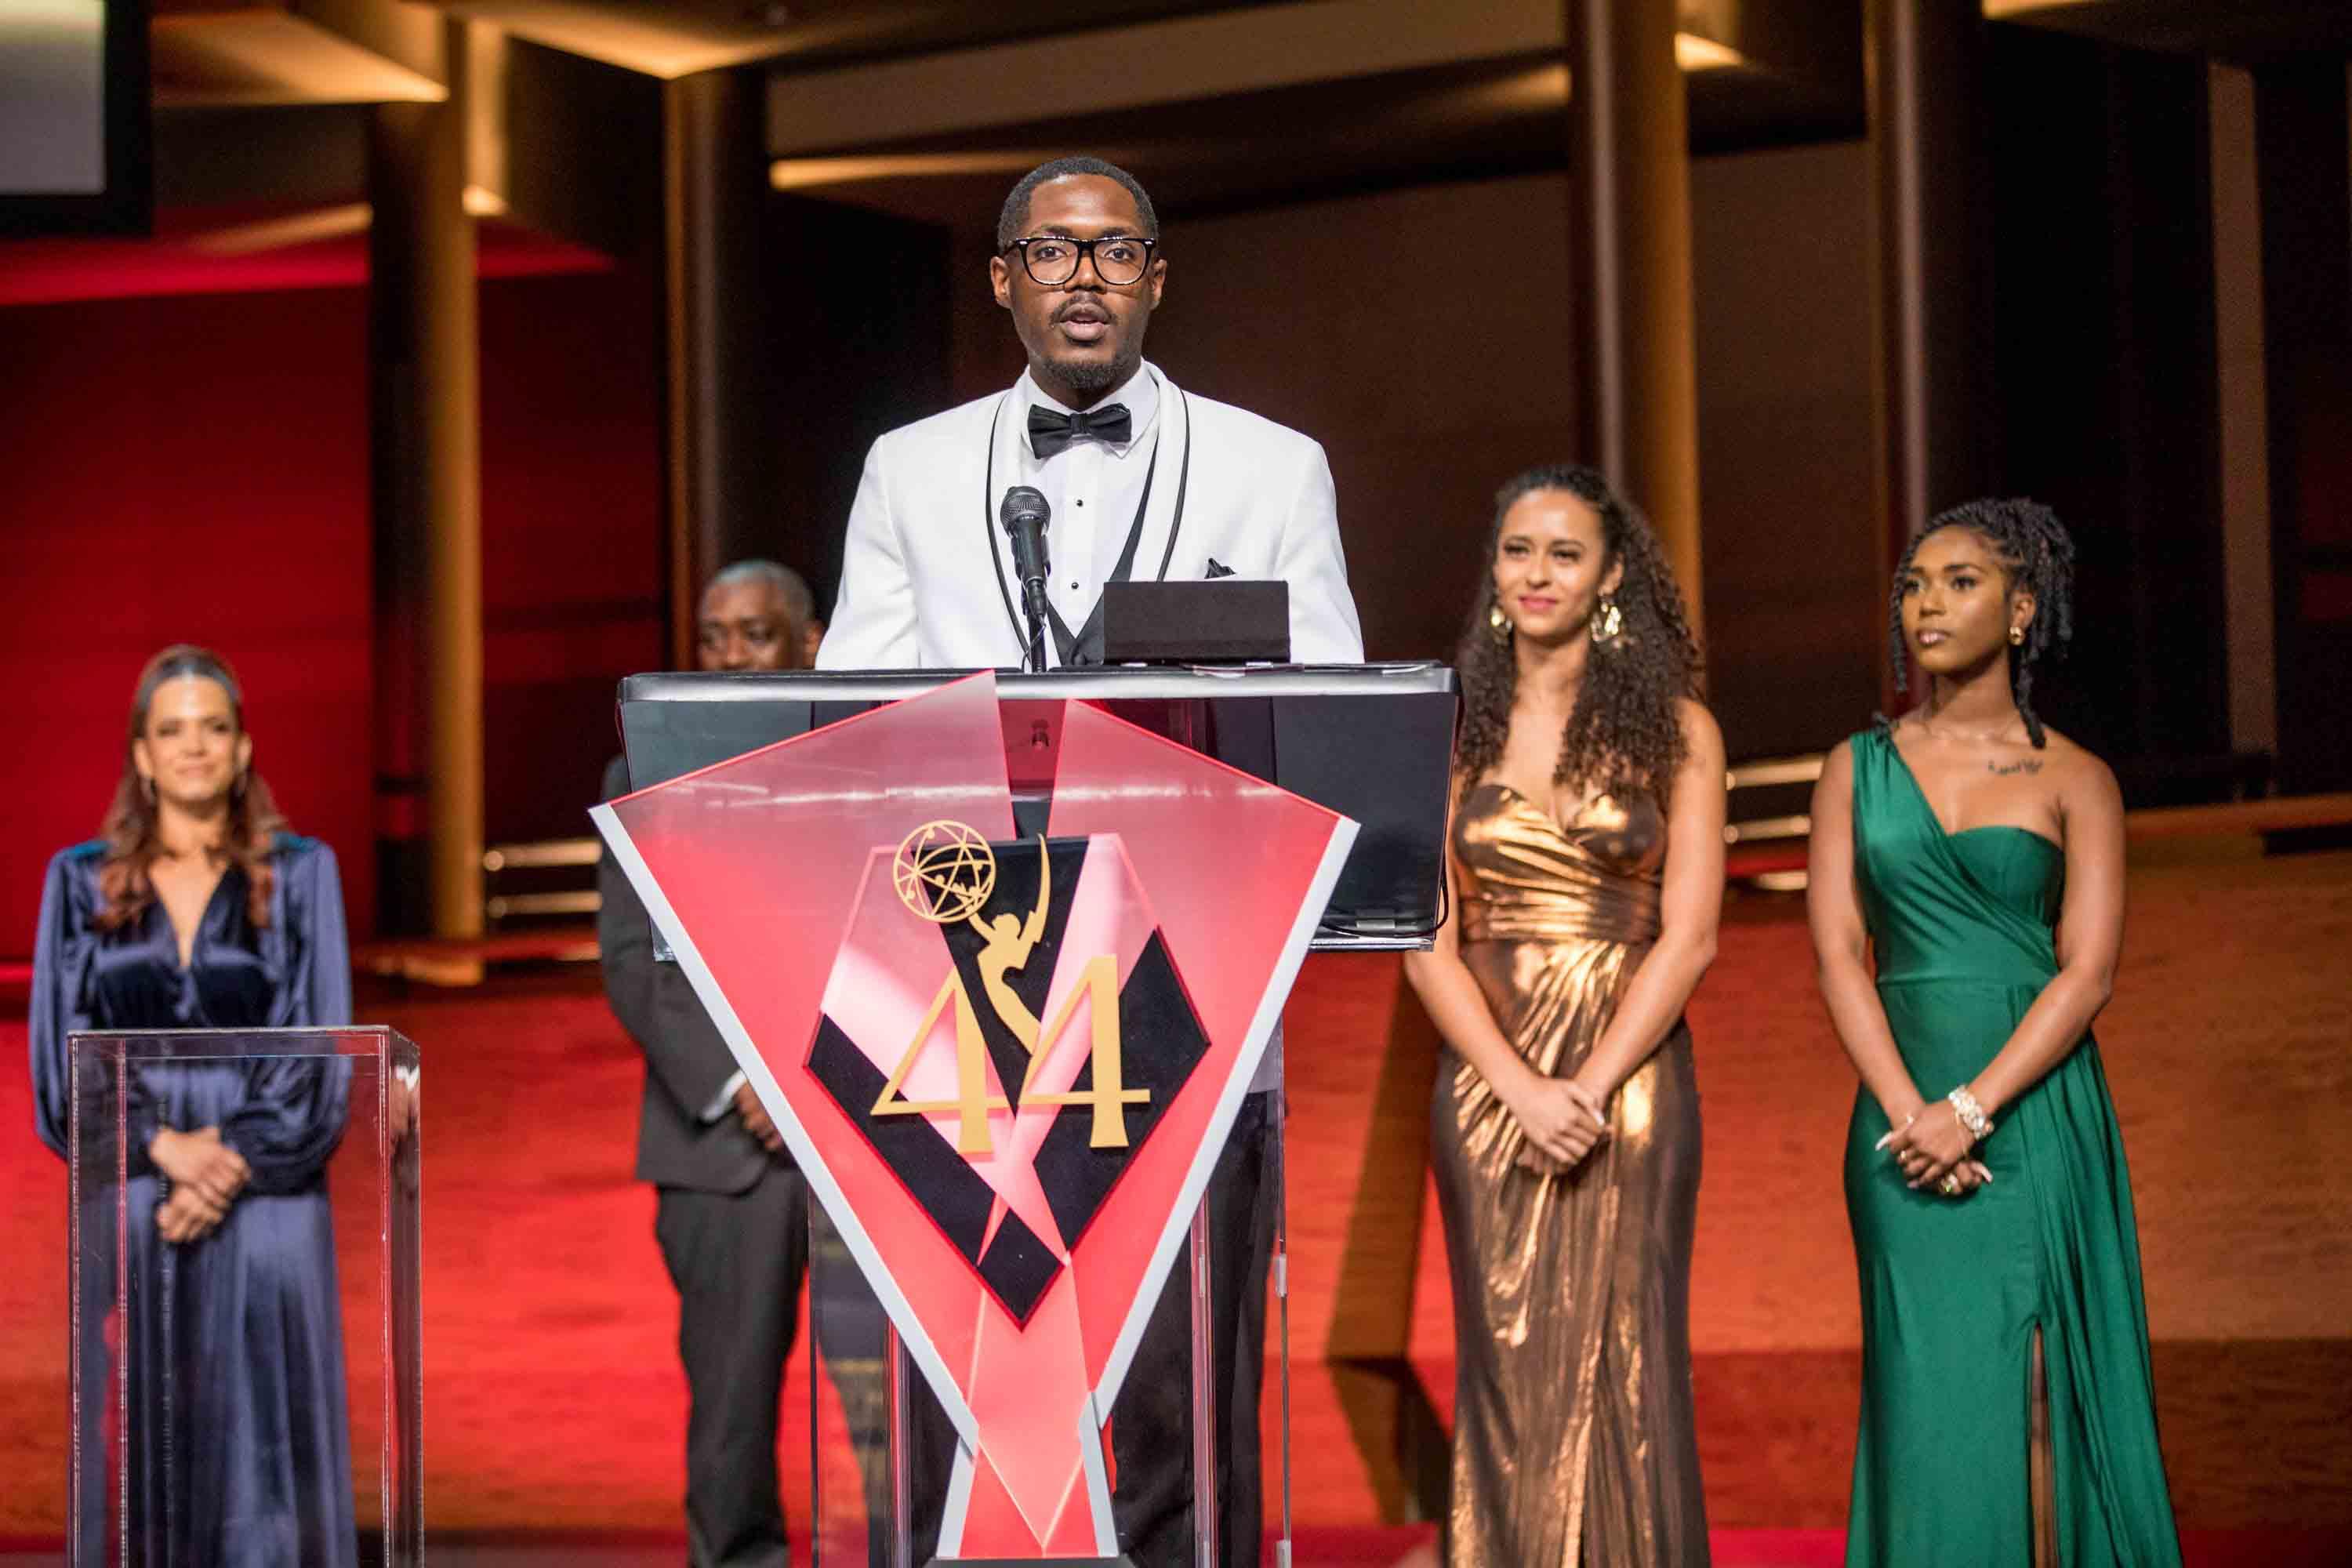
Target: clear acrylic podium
{"points": [[881, 1448], [246, 1384]]}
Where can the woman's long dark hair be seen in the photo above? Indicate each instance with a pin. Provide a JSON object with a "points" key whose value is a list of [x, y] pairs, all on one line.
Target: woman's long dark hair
{"points": [[1626, 736], [2038, 553], [129, 834]]}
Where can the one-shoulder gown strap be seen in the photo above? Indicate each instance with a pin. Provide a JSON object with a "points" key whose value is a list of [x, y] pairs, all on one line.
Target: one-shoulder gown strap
{"points": [[1956, 1294]]}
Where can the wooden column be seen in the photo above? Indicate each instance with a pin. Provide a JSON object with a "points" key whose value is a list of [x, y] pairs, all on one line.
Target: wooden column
{"points": [[2301, 108], [1926, 61], [720, 456], [426, 437], [1629, 245], [2242, 403]]}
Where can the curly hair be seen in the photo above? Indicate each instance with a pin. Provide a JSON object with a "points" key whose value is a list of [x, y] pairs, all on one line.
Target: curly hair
{"points": [[2037, 555], [1625, 734], [130, 830]]}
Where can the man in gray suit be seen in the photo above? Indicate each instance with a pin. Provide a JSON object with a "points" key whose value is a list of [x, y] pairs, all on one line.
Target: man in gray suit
{"points": [[732, 1212]]}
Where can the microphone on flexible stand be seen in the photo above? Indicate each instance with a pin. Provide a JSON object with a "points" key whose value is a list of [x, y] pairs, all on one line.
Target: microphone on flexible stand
{"points": [[1025, 515]]}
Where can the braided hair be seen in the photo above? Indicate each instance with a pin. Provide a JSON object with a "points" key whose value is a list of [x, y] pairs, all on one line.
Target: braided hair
{"points": [[1626, 735], [2037, 555]]}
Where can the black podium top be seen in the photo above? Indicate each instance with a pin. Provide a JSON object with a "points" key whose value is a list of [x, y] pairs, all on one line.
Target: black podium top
{"points": [[1374, 741]]}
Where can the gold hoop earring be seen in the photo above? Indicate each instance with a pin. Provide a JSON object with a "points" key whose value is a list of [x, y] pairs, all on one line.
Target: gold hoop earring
{"points": [[2017, 637], [1499, 623], [1608, 623]]}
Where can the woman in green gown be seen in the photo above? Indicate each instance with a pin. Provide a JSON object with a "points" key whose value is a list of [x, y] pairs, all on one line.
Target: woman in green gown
{"points": [[2007, 1415]]}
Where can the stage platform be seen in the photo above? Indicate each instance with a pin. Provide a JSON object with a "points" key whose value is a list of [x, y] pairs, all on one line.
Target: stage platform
{"points": [[1366, 1548], [554, 1408]]}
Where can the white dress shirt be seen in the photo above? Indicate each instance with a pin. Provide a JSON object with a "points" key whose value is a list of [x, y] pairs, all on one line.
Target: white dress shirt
{"points": [[1092, 488]]}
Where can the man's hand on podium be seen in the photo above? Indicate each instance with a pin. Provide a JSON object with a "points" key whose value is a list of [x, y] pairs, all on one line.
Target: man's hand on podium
{"points": [[756, 1120]]}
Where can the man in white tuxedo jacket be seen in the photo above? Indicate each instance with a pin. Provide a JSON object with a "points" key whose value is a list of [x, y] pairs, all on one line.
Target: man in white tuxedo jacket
{"points": [[1173, 486], [1144, 481]]}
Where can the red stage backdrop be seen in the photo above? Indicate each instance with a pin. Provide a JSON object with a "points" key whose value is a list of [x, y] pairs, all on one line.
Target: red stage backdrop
{"points": [[194, 467]]}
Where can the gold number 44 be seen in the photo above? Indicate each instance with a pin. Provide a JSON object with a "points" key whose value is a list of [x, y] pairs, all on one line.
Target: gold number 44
{"points": [[1109, 1097]]}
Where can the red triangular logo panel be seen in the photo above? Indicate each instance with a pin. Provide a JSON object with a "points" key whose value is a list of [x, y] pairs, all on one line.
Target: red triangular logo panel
{"points": [[1018, 1260]]}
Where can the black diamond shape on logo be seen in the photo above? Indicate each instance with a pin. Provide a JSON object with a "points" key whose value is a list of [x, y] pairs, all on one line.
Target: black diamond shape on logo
{"points": [[1161, 1041]]}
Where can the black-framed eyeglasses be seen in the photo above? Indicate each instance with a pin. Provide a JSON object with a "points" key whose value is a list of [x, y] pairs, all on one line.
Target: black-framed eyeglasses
{"points": [[1051, 260]]}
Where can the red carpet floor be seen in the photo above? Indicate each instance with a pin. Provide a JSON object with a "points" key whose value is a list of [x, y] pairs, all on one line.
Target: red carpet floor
{"points": [[553, 1403], [1366, 1548]]}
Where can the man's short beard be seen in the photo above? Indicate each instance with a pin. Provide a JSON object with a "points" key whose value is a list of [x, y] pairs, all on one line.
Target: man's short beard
{"points": [[1090, 375]]}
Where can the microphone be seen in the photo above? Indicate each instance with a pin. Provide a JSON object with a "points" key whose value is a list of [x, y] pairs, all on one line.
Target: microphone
{"points": [[1025, 515]]}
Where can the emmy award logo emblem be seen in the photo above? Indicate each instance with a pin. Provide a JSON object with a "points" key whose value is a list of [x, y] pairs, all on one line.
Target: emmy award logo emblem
{"points": [[945, 873]]}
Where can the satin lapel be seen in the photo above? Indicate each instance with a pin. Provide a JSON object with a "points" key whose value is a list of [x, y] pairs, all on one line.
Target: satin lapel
{"points": [[1899, 798], [996, 470], [1161, 519]]}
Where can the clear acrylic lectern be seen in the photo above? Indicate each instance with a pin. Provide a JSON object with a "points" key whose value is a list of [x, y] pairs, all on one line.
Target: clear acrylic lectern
{"points": [[246, 1374]]}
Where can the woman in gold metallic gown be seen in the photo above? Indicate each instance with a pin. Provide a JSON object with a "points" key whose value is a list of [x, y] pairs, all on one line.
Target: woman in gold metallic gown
{"points": [[1587, 872]]}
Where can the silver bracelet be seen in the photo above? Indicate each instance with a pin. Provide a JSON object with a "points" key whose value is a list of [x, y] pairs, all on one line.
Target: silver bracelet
{"points": [[1970, 1113]]}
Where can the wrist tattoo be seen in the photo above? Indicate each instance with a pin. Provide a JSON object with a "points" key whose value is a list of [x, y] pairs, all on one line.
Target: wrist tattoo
{"points": [[2029, 765]]}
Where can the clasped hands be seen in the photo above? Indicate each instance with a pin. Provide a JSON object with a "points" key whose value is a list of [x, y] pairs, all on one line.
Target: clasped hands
{"points": [[206, 1176], [1563, 1121], [1931, 1146]]}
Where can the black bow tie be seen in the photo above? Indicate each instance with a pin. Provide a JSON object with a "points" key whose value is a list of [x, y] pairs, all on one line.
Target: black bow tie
{"points": [[1050, 432]]}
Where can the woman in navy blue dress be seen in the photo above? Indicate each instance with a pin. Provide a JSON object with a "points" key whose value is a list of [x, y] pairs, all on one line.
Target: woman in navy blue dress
{"points": [[198, 909]]}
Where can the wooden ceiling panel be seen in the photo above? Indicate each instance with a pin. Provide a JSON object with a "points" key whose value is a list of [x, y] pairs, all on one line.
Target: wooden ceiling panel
{"points": [[1278, 102], [2246, 30], [256, 57], [668, 39], [1241, 150]]}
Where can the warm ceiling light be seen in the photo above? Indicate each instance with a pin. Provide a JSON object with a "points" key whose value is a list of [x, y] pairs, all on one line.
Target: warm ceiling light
{"points": [[1995, 10], [319, 223], [1541, 87], [272, 234], [800, 173], [1533, 91], [257, 58], [1694, 53], [662, 41]]}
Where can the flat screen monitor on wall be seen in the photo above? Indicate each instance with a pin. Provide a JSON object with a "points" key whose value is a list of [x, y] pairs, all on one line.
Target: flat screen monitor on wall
{"points": [[74, 117]]}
